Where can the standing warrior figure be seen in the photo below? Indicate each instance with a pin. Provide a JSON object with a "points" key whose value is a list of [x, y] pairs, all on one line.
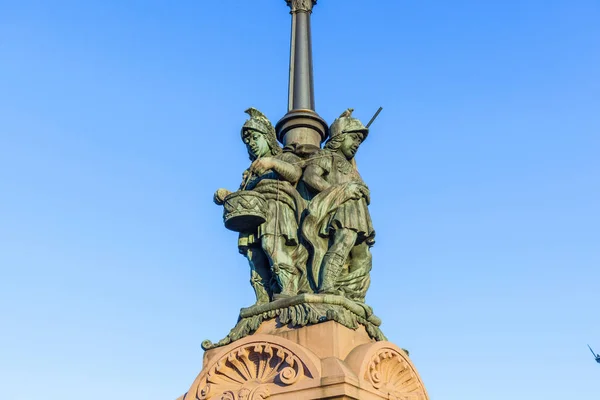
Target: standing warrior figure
{"points": [[277, 262], [338, 225]]}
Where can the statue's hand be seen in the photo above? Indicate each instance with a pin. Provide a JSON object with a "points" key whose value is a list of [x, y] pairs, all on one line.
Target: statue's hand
{"points": [[220, 195], [357, 191], [366, 194], [262, 165]]}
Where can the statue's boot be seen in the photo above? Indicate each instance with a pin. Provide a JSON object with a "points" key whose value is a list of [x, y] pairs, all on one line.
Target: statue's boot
{"points": [[258, 284], [333, 264], [286, 279]]}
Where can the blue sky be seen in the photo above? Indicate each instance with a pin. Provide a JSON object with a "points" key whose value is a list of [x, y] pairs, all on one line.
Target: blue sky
{"points": [[119, 119]]}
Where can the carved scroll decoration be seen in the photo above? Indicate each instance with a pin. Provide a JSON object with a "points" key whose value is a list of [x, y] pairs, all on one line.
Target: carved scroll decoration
{"points": [[246, 372], [301, 5], [392, 375]]}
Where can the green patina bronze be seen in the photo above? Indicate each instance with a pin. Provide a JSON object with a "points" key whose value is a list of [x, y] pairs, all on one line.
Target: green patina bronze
{"points": [[305, 229]]}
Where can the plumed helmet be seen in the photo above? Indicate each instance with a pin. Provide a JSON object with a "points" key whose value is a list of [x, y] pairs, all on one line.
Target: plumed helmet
{"points": [[259, 122], [345, 123]]}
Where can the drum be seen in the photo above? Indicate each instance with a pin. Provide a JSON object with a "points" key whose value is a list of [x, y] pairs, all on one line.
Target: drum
{"points": [[244, 210]]}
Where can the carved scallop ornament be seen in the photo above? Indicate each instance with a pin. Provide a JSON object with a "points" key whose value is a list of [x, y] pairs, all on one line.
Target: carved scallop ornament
{"points": [[252, 372], [391, 374], [384, 369]]}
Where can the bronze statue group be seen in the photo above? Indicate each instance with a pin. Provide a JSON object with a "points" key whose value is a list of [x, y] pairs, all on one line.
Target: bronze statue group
{"points": [[305, 224]]}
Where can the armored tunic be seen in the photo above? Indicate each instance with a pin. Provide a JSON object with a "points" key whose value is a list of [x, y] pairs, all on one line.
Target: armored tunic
{"points": [[284, 205], [350, 214]]}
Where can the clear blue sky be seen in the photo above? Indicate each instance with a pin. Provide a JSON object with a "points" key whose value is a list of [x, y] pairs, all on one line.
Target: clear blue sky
{"points": [[119, 119]]}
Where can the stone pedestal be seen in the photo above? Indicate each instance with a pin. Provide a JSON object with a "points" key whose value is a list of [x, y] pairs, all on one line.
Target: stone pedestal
{"points": [[321, 361]]}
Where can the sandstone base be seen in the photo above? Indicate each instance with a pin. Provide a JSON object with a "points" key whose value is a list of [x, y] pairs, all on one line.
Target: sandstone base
{"points": [[322, 361]]}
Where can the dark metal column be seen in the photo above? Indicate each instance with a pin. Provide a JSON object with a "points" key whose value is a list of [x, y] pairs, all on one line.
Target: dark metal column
{"points": [[301, 93], [301, 125]]}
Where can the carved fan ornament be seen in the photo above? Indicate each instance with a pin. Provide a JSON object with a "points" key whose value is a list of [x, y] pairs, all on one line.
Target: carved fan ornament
{"points": [[246, 372], [391, 374]]}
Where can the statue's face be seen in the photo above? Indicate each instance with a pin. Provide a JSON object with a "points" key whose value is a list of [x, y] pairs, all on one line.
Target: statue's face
{"points": [[256, 143], [350, 144]]}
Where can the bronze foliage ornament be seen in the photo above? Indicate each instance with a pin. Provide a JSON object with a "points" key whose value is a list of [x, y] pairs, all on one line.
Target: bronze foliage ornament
{"points": [[301, 5]]}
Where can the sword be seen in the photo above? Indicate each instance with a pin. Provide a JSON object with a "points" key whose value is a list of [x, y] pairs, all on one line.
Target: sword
{"points": [[374, 116]]}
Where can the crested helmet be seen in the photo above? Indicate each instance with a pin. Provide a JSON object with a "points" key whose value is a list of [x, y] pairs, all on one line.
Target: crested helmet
{"points": [[259, 122], [345, 123]]}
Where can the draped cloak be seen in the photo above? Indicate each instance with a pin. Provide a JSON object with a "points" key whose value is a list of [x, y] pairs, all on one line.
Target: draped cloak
{"points": [[334, 208], [285, 206]]}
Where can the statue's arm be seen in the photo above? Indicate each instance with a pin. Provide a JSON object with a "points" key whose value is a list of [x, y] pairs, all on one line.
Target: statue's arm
{"points": [[287, 171], [245, 177], [313, 177]]}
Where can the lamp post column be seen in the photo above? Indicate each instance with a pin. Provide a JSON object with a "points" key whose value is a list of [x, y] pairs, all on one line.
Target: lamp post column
{"points": [[301, 125]]}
